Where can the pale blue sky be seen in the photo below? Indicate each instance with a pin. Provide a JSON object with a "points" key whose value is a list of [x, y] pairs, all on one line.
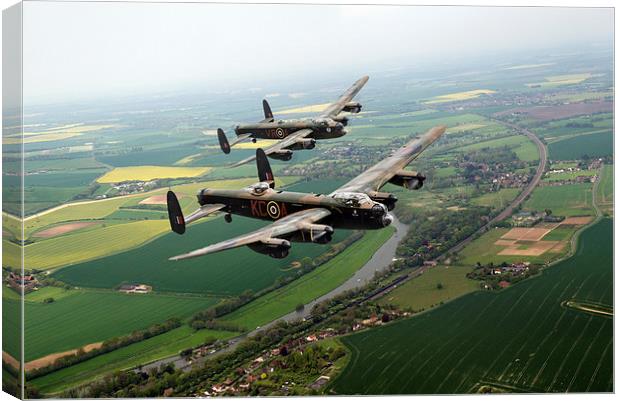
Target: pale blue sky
{"points": [[75, 50]]}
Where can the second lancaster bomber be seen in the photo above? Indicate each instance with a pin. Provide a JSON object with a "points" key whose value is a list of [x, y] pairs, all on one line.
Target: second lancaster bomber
{"points": [[296, 134], [304, 217]]}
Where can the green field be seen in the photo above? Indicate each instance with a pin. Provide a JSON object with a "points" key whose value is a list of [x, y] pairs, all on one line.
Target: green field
{"points": [[312, 285], [422, 293], [446, 172], [605, 195], [498, 199], [565, 200], [560, 234], [225, 273], [521, 145], [11, 324], [46, 292], [87, 245], [138, 214], [519, 340], [592, 145], [87, 317], [407, 126], [154, 348]]}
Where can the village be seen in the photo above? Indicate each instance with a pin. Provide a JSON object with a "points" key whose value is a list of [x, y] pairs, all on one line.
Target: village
{"points": [[499, 277], [299, 366]]}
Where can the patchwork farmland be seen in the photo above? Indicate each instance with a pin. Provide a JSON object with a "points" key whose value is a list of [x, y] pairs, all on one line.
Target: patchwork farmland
{"points": [[88, 234], [520, 340]]}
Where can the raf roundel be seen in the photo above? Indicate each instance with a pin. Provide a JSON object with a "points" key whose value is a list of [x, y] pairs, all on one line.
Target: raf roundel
{"points": [[279, 132], [273, 209]]}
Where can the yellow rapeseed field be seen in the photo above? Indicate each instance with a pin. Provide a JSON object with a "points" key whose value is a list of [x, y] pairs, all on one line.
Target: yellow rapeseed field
{"points": [[54, 134], [315, 108], [556, 80], [452, 97], [148, 173]]}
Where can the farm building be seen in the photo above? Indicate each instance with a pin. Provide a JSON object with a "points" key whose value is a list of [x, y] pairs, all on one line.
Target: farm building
{"points": [[17, 281], [135, 288]]}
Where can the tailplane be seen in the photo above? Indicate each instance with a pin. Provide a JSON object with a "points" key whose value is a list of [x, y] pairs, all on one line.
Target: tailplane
{"points": [[264, 168], [221, 137], [267, 112], [175, 214]]}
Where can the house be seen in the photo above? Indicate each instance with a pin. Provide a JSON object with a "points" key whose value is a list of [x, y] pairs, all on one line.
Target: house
{"points": [[431, 263], [311, 338], [27, 282], [372, 320], [135, 288], [218, 388], [504, 284]]}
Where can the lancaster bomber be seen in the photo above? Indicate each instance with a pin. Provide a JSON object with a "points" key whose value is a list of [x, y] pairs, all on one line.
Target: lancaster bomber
{"points": [[296, 134], [304, 217]]}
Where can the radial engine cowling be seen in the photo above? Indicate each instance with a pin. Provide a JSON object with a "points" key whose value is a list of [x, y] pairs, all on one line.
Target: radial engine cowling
{"points": [[306, 143], [386, 198], [352, 107], [344, 120], [275, 247], [284, 155]]}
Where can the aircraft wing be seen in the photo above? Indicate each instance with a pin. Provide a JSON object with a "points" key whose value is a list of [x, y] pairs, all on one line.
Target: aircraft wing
{"points": [[279, 146], [240, 138], [381, 173], [335, 108], [268, 235]]}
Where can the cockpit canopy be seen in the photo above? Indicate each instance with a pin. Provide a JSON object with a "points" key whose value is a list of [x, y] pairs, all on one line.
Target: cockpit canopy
{"points": [[321, 122], [353, 199], [259, 188]]}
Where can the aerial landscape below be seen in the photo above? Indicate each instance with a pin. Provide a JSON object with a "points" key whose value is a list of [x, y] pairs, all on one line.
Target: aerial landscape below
{"points": [[442, 228]]}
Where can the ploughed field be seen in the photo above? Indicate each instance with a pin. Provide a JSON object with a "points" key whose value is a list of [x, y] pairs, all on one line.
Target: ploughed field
{"points": [[521, 339]]}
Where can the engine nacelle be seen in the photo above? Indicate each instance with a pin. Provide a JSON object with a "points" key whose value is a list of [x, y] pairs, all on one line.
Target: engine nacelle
{"points": [[317, 233], [306, 143], [388, 199], [275, 247], [344, 120], [409, 179], [352, 107], [284, 155]]}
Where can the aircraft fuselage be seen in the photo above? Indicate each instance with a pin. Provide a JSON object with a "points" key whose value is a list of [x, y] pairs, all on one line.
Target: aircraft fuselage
{"points": [[321, 129], [273, 205]]}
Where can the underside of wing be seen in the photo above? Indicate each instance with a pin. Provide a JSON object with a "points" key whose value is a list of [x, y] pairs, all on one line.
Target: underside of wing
{"points": [[272, 239], [240, 138], [283, 150], [339, 105], [391, 169]]}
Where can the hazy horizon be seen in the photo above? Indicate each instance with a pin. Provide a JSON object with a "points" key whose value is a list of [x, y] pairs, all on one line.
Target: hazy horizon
{"points": [[94, 50]]}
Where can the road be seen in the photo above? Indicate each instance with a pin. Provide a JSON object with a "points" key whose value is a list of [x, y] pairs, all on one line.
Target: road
{"points": [[382, 258]]}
